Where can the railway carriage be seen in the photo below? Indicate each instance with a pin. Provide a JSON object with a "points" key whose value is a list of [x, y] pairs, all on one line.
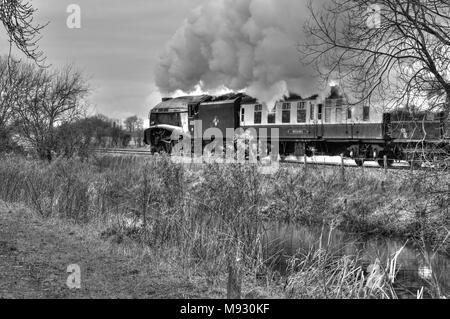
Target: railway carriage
{"points": [[317, 125]]}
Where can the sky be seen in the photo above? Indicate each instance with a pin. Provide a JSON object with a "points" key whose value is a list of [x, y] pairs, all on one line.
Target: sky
{"points": [[117, 47]]}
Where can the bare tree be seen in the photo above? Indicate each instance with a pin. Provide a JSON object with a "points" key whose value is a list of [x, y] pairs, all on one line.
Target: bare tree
{"points": [[393, 51], [48, 100], [139, 133], [130, 123], [7, 86], [17, 16], [12, 79], [135, 126]]}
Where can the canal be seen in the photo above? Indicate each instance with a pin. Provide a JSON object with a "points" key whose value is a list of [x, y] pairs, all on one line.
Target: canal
{"points": [[416, 266]]}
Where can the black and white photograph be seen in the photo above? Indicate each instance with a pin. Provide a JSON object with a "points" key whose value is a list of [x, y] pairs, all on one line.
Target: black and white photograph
{"points": [[246, 152]]}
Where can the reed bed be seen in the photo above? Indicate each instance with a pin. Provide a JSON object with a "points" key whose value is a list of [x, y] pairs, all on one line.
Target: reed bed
{"points": [[210, 218]]}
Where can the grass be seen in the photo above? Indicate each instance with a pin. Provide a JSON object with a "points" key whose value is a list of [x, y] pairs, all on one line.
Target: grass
{"points": [[208, 219]]}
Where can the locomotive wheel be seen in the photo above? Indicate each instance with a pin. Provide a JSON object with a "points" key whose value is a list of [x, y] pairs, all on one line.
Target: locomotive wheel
{"points": [[168, 148], [359, 162], [163, 147]]}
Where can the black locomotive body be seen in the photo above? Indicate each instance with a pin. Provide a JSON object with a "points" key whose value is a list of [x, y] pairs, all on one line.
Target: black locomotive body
{"points": [[312, 126], [219, 113]]}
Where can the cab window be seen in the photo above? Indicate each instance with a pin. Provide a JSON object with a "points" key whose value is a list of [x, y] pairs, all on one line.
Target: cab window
{"points": [[165, 118]]}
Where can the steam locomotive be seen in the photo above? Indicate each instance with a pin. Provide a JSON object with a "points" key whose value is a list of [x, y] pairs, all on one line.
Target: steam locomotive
{"points": [[307, 126]]}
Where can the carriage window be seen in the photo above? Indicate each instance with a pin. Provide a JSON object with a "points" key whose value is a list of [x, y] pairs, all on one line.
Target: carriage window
{"points": [[311, 112], [242, 115], [286, 113], [366, 113], [319, 112], [327, 114], [338, 115], [271, 117], [258, 114], [301, 112]]}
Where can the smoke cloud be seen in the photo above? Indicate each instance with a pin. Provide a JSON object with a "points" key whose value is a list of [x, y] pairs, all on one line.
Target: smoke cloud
{"points": [[249, 45]]}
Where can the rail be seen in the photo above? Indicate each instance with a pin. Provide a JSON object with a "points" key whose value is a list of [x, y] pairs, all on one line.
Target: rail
{"points": [[316, 161]]}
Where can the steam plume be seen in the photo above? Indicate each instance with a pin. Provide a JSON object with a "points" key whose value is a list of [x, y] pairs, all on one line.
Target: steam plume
{"points": [[247, 45]]}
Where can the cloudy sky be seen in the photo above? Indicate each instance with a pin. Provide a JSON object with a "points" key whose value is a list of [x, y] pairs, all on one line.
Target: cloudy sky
{"points": [[117, 46]]}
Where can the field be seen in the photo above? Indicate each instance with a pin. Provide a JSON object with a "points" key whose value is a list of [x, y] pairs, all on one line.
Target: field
{"points": [[206, 221]]}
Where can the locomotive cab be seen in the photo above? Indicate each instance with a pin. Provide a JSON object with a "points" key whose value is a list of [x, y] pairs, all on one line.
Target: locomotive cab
{"points": [[169, 119]]}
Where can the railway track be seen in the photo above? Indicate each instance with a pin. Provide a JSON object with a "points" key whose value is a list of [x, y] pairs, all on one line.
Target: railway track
{"points": [[122, 151], [316, 161]]}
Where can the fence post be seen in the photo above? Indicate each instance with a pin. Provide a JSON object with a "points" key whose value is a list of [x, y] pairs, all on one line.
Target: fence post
{"points": [[305, 159], [342, 168], [234, 286], [385, 164]]}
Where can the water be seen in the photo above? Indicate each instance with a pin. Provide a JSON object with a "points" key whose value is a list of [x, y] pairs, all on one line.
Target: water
{"points": [[416, 269]]}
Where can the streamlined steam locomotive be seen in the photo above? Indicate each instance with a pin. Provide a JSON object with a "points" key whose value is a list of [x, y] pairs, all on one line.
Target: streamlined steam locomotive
{"points": [[307, 126]]}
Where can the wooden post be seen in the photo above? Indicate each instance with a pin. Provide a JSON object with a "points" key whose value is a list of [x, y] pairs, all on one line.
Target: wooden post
{"points": [[145, 198], [385, 164], [234, 286], [342, 168], [305, 159], [234, 283], [412, 158]]}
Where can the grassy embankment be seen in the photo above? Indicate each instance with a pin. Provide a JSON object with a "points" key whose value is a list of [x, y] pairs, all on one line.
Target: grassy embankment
{"points": [[208, 220]]}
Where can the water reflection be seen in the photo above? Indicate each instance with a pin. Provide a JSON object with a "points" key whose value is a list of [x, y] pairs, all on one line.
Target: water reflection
{"points": [[416, 269]]}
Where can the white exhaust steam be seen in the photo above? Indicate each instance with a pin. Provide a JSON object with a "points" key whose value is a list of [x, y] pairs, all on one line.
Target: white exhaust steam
{"points": [[249, 45]]}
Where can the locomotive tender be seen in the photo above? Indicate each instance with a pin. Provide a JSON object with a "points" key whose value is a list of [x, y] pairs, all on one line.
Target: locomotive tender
{"points": [[311, 126]]}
